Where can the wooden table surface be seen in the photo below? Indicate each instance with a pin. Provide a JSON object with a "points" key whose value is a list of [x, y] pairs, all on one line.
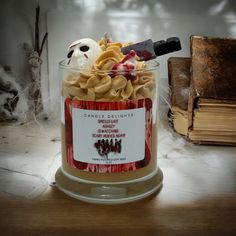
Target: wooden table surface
{"points": [[198, 195], [56, 214]]}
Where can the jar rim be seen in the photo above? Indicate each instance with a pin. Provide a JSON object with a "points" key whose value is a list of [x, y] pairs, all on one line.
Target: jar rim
{"points": [[152, 65]]}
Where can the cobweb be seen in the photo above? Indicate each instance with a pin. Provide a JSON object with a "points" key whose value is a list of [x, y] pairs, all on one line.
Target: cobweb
{"points": [[16, 105]]}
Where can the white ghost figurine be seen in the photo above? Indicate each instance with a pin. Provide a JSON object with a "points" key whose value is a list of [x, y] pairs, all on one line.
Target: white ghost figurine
{"points": [[83, 53]]}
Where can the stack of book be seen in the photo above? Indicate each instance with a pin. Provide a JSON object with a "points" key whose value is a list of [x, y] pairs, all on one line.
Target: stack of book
{"points": [[203, 91]]}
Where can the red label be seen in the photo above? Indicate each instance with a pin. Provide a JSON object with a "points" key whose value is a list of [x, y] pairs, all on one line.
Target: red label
{"points": [[106, 146]]}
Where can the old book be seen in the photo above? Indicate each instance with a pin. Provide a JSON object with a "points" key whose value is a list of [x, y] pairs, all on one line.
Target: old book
{"points": [[213, 69], [214, 121], [207, 113], [212, 100], [179, 81]]}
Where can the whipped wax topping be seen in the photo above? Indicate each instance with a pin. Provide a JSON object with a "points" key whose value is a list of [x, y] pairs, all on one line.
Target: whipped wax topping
{"points": [[105, 73]]}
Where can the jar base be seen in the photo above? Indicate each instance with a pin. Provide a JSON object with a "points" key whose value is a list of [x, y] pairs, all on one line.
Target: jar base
{"points": [[109, 193]]}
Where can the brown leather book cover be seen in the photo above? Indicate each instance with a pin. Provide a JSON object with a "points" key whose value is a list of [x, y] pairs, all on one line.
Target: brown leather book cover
{"points": [[179, 81], [213, 70]]}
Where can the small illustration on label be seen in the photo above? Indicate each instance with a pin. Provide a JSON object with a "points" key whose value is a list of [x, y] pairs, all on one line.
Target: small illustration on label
{"points": [[106, 146], [106, 137]]}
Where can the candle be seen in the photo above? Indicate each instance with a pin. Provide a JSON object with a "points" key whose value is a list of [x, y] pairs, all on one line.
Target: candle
{"points": [[109, 124]]}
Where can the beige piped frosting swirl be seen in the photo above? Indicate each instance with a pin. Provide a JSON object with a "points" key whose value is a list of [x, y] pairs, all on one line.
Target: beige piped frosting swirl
{"points": [[102, 83]]}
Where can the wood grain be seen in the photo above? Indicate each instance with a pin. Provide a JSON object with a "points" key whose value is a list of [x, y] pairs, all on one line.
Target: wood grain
{"points": [[56, 214]]}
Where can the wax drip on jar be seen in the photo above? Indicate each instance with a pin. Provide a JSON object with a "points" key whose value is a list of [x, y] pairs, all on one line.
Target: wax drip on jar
{"points": [[126, 66]]}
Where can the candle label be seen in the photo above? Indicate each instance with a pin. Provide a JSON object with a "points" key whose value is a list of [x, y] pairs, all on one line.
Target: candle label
{"points": [[106, 137]]}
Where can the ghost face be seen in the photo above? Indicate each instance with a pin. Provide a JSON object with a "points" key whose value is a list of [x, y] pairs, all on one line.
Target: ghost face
{"points": [[83, 53]]}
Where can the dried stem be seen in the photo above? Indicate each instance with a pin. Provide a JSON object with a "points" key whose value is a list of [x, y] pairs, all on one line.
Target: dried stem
{"points": [[42, 44], [36, 46], [35, 62]]}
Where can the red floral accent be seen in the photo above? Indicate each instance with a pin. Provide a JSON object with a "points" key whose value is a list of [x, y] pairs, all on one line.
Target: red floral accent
{"points": [[126, 67]]}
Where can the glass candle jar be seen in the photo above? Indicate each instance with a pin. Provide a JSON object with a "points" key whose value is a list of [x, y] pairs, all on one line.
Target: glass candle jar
{"points": [[109, 126]]}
